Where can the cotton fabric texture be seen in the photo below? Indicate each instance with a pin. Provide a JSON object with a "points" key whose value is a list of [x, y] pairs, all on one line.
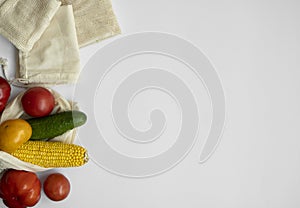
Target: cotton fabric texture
{"points": [[23, 22], [54, 59], [94, 20]]}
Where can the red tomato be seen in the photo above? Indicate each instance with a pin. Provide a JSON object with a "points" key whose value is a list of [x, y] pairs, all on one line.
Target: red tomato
{"points": [[38, 102], [20, 189], [4, 93], [57, 187]]}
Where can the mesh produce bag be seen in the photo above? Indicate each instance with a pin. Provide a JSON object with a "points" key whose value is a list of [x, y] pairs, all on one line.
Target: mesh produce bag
{"points": [[94, 20], [23, 22]]}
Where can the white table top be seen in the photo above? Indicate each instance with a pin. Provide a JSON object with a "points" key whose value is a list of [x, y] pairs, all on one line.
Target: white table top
{"points": [[255, 47]]}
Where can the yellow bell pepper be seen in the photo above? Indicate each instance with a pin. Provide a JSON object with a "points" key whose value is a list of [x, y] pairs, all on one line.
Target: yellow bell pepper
{"points": [[13, 133]]}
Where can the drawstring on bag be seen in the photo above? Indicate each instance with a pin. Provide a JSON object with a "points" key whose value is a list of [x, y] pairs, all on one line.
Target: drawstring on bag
{"points": [[18, 82]]}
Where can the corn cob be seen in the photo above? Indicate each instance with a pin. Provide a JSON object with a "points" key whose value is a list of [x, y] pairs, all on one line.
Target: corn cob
{"points": [[51, 154]]}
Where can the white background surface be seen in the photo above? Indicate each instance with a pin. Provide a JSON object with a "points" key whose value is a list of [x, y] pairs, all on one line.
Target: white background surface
{"points": [[255, 47]]}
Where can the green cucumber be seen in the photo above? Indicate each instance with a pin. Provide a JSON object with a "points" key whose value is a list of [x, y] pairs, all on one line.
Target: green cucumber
{"points": [[56, 124]]}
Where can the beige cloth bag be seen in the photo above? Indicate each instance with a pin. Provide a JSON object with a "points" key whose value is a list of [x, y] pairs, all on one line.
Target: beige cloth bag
{"points": [[23, 22], [94, 19], [14, 110], [54, 59]]}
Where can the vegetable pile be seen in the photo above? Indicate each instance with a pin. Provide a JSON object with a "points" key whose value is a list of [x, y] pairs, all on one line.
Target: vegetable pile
{"points": [[21, 189], [31, 139]]}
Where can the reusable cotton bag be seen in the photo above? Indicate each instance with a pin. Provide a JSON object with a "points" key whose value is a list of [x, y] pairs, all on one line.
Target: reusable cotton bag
{"points": [[15, 110], [54, 59], [94, 20], [23, 22]]}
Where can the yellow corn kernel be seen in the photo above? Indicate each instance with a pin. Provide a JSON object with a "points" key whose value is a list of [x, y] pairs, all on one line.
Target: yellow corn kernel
{"points": [[51, 154]]}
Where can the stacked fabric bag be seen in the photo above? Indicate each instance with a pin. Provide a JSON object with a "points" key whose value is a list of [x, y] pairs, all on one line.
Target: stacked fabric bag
{"points": [[49, 33]]}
